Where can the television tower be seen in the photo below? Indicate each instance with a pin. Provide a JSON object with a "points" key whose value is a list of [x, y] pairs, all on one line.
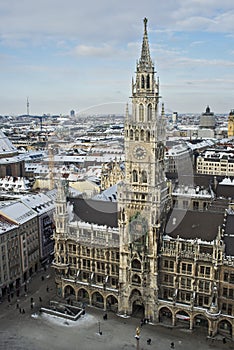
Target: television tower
{"points": [[27, 107]]}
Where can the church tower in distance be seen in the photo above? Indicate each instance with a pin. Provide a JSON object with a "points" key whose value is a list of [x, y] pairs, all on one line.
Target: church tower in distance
{"points": [[231, 124], [143, 195]]}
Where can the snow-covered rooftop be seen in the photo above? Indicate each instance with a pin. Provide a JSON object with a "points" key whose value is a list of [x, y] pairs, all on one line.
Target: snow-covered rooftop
{"points": [[17, 212], [39, 202], [6, 147]]}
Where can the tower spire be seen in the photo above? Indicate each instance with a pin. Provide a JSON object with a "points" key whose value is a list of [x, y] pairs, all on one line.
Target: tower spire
{"points": [[145, 59]]}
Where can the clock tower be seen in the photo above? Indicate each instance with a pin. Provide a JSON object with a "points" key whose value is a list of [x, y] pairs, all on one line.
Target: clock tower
{"points": [[143, 195]]}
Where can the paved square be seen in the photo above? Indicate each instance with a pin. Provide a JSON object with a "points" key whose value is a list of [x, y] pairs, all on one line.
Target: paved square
{"points": [[31, 331]]}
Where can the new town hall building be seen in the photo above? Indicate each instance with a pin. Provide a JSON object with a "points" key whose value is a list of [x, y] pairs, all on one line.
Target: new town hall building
{"points": [[146, 255]]}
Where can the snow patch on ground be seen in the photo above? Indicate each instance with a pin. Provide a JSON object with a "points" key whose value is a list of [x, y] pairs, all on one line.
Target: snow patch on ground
{"points": [[85, 320]]}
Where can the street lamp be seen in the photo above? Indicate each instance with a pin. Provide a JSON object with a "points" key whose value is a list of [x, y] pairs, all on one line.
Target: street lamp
{"points": [[99, 328]]}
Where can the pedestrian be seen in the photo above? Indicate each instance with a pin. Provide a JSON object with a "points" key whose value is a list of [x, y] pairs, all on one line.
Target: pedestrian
{"points": [[20, 310], [17, 306], [172, 345], [47, 289], [149, 341], [31, 300], [40, 299], [23, 312], [224, 341]]}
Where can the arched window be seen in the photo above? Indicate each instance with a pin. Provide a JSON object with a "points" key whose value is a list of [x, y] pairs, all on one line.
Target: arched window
{"points": [[134, 176], [136, 264], [8, 170], [123, 215], [142, 82], [136, 279], [148, 82], [144, 176], [148, 136], [127, 133], [21, 170], [141, 113], [137, 135], [131, 134], [149, 112], [142, 135]]}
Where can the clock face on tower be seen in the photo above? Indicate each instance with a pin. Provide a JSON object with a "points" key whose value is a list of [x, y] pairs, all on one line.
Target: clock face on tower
{"points": [[139, 152]]}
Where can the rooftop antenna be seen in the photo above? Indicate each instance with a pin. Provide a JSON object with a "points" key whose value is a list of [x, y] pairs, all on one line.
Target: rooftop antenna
{"points": [[27, 107]]}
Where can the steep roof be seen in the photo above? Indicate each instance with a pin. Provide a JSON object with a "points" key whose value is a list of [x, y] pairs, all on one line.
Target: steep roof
{"points": [[229, 234], [95, 211], [6, 147], [194, 224], [17, 212], [39, 202]]}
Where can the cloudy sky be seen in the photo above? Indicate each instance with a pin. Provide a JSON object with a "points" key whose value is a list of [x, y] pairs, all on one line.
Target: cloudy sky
{"points": [[82, 55]]}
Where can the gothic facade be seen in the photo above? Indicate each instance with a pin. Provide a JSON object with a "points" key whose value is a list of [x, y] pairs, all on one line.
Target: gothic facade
{"points": [[140, 256]]}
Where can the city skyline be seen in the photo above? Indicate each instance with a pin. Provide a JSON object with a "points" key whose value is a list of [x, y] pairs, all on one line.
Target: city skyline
{"points": [[73, 55]]}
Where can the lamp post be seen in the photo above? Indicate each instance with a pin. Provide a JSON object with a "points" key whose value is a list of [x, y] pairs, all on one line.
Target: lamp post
{"points": [[99, 328]]}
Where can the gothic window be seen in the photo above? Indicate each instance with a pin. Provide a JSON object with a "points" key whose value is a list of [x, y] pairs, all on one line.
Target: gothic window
{"points": [[149, 112], [8, 170], [136, 279], [134, 176], [136, 264], [142, 82], [131, 134], [148, 136], [21, 170], [144, 176], [123, 215], [148, 81], [137, 135], [141, 113], [142, 135]]}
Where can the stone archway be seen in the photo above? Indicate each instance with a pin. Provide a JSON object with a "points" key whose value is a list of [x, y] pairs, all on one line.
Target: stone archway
{"points": [[137, 304], [138, 309], [182, 318], [201, 322], [69, 291], [98, 300], [112, 303], [165, 315], [83, 296], [225, 328]]}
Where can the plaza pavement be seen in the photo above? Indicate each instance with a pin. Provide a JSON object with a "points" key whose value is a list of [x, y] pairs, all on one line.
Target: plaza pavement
{"points": [[20, 331]]}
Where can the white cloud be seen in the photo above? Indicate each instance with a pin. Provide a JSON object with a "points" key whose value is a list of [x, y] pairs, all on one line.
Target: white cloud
{"points": [[101, 51]]}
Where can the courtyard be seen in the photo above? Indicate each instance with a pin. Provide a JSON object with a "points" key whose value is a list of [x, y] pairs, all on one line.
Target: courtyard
{"points": [[31, 330]]}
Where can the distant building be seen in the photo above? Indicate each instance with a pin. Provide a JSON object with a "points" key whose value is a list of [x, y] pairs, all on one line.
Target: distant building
{"points": [[179, 160], [112, 172], [11, 163], [231, 124], [207, 124], [72, 113], [216, 162]]}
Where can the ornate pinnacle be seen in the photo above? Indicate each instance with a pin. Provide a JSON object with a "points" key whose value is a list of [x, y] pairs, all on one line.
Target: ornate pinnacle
{"points": [[145, 23], [145, 59]]}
